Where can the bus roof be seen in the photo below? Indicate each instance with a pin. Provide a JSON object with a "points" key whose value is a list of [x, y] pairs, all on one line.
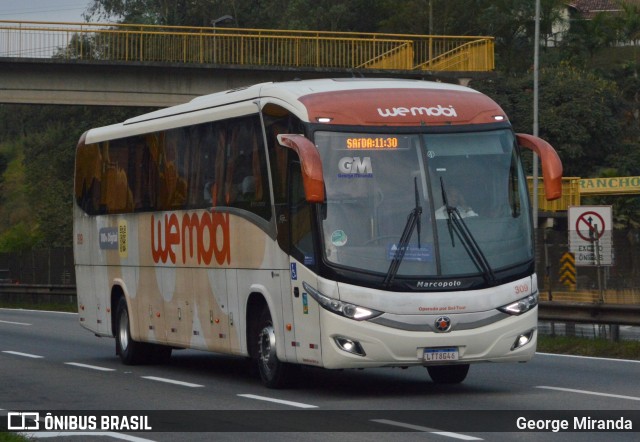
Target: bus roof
{"points": [[349, 101]]}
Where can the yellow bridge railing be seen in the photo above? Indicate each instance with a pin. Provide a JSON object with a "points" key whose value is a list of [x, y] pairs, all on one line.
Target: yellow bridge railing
{"points": [[570, 195], [233, 46]]}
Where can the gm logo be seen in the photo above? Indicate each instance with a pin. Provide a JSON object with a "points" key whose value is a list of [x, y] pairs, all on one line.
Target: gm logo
{"points": [[355, 166], [23, 421]]}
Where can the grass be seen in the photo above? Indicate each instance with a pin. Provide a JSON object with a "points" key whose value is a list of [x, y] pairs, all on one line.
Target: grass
{"points": [[73, 308], [598, 347], [12, 437]]}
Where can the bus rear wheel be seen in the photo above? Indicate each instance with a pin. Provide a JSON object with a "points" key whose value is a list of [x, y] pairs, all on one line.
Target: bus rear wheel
{"points": [[448, 374], [273, 372], [133, 352]]}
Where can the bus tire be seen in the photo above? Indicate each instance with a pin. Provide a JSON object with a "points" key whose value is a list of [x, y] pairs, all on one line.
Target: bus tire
{"points": [[448, 374], [131, 352], [273, 372]]}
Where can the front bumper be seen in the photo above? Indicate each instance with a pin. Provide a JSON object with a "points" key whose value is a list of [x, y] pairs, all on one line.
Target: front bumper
{"points": [[388, 347]]}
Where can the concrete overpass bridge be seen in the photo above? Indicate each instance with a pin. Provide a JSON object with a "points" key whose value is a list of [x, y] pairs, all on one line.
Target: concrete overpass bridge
{"points": [[141, 65]]}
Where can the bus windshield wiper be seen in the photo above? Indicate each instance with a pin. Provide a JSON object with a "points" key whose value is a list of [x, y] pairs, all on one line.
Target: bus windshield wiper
{"points": [[413, 222], [449, 210], [456, 222]]}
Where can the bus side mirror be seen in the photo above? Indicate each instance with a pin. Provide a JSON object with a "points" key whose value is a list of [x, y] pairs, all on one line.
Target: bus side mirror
{"points": [[551, 164], [311, 164]]}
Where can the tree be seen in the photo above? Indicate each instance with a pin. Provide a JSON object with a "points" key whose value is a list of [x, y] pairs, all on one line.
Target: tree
{"points": [[580, 115], [625, 207], [630, 81], [629, 23], [47, 154], [39, 146], [592, 119], [512, 23], [415, 17], [327, 15], [587, 37]]}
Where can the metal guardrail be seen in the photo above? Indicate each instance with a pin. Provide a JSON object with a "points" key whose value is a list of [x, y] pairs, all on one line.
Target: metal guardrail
{"points": [[235, 46], [37, 289], [589, 313], [35, 294]]}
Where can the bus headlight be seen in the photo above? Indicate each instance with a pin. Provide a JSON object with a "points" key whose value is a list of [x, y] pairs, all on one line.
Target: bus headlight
{"points": [[521, 306], [345, 309]]}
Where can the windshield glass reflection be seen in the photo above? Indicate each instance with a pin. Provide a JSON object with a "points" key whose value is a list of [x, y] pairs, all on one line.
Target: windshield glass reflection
{"points": [[374, 182]]}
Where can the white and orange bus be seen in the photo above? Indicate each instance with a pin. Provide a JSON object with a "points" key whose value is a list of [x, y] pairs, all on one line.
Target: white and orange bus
{"points": [[345, 223]]}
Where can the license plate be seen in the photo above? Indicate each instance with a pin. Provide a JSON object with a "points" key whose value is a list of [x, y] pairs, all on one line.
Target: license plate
{"points": [[440, 354]]}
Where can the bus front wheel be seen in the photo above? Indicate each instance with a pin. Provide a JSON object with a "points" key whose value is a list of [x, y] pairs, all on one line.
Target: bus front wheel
{"points": [[448, 374], [273, 372]]}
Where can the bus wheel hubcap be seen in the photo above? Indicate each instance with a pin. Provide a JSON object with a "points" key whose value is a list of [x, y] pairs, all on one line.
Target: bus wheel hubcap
{"points": [[124, 331], [267, 347]]}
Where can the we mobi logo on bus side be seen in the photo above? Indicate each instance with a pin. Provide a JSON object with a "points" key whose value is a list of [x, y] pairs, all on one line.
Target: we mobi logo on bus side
{"points": [[355, 167], [434, 111], [205, 237]]}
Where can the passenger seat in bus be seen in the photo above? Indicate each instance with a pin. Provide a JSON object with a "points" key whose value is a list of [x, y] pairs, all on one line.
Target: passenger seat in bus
{"points": [[118, 195]]}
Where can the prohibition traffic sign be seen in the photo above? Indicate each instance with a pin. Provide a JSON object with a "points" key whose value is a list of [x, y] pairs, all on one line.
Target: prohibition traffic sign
{"points": [[590, 240], [590, 226]]}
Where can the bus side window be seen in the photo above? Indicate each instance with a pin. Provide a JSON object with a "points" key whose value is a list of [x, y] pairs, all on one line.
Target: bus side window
{"points": [[117, 197], [88, 178], [301, 238], [217, 191], [245, 170], [202, 185]]}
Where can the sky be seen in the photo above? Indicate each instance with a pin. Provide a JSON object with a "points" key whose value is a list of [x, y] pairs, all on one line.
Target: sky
{"points": [[43, 10]]}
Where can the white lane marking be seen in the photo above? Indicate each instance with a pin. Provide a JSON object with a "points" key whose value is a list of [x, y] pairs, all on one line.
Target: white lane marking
{"points": [[14, 323], [277, 401], [594, 393], [92, 367], [426, 429], [172, 381], [26, 355], [48, 434], [590, 357]]}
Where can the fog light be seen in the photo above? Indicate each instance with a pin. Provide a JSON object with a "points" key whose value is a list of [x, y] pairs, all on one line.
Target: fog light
{"points": [[522, 340], [349, 346]]}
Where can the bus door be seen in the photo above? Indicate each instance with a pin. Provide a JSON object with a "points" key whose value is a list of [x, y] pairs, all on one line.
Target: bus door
{"points": [[306, 314]]}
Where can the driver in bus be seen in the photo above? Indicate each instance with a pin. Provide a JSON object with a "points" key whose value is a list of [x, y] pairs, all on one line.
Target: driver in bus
{"points": [[456, 199]]}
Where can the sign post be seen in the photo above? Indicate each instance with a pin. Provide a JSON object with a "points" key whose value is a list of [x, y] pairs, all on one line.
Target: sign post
{"points": [[590, 238]]}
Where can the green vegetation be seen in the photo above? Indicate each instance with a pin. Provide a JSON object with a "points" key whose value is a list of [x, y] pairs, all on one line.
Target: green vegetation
{"points": [[12, 437], [36, 170], [53, 307], [601, 348], [589, 90]]}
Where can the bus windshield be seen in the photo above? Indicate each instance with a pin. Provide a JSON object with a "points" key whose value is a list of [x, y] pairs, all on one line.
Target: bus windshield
{"points": [[467, 189]]}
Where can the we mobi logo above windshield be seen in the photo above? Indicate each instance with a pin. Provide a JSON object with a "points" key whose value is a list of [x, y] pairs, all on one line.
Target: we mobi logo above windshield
{"points": [[434, 111]]}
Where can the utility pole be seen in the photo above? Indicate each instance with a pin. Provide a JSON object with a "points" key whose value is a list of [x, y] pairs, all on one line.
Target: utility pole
{"points": [[536, 69]]}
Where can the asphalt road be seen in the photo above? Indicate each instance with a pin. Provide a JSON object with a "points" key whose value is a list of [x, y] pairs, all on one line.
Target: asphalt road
{"points": [[49, 363]]}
